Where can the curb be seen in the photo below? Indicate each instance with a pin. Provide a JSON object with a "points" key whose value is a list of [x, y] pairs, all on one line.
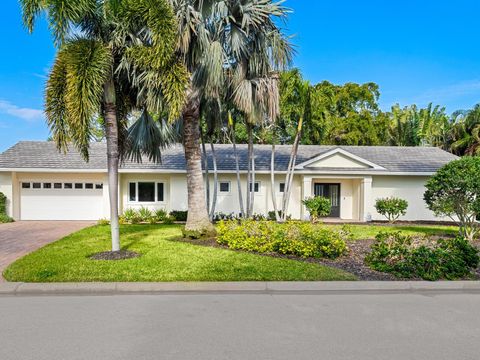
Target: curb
{"points": [[24, 289]]}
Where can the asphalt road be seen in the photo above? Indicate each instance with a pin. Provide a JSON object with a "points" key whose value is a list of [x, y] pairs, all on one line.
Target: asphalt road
{"points": [[253, 326]]}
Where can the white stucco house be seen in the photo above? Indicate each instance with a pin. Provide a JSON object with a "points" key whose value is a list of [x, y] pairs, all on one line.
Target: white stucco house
{"points": [[42, 184]]}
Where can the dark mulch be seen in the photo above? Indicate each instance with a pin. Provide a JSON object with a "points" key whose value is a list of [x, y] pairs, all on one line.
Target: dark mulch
{"points": [[115, 255]]}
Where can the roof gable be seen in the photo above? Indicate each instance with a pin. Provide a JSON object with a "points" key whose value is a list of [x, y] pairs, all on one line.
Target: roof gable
{"points": [[338, 158]]}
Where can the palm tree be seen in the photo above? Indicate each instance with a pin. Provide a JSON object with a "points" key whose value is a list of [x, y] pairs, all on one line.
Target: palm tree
{"points": [[465, 133], [231, 49], [112, 60]]}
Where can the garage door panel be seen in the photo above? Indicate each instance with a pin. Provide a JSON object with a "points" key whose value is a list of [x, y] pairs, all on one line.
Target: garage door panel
{"points": [[61, 204]]}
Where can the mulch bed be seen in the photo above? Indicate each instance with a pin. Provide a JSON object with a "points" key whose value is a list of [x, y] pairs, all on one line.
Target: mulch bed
{"points": [[115, 255]]}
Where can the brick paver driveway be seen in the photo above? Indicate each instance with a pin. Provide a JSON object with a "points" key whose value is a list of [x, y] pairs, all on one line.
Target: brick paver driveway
{"points": [[20, 238]]}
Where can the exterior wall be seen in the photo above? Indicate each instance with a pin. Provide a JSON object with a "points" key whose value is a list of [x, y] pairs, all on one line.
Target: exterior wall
{"points": [[410, 188], [169, 196], [6, 187]]}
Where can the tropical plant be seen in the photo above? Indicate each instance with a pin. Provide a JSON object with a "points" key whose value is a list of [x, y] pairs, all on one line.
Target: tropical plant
{"points": [[465, 132], [231, 48], [454, 191], [114, 58], [392, 208], [317, 206]]}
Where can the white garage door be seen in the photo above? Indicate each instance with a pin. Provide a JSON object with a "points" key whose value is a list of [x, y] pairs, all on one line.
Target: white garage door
{"points": [[61, 200]]}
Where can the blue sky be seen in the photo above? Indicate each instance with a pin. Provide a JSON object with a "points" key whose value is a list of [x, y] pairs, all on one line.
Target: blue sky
{"points": [[417, 51]]}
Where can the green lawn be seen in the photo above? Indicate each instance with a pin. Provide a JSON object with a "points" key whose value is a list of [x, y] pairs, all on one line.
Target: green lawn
{"points": [[362, 232], [163, 259]]}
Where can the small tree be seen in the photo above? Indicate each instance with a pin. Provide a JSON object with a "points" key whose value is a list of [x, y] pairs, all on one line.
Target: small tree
{"points": [[317, 206], [392, 208], [454, 191]]}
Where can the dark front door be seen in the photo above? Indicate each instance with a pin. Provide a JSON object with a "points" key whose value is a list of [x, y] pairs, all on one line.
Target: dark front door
{"points": [[332, 192]]}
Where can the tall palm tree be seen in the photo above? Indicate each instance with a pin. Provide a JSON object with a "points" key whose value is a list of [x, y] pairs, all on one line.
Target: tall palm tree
{"points": [[115, 57], [231, 49], [465, 133]]}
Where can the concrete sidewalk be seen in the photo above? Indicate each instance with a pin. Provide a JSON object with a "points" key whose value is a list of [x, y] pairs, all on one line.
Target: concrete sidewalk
{"points": [[18, 289]]}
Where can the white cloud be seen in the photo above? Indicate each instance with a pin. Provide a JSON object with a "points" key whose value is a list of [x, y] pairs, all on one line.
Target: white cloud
{"points": [[452, 91], [28, 114]]}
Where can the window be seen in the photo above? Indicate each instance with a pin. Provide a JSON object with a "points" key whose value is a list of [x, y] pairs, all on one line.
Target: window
{"points": [[282, 187], [47, 185], [225, 187], [57, 185], [256, 187], [25, 185], [160, 192], [146, 192], [78, 186], [36, 185], [132, 187], [99, 186], [88, 186], [68, 186]]}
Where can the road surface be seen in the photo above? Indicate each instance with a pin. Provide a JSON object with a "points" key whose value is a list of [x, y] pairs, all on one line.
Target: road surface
{"points": [[242, 326]]}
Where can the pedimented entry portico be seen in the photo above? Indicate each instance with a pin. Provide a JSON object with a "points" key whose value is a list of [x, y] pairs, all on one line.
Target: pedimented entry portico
{"points": [[354, 195]]}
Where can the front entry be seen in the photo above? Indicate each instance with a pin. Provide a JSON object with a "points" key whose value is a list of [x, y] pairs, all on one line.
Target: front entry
{"points": [[332, 192]]}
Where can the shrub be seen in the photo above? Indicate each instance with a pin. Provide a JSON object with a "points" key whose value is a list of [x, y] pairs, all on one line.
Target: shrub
{"points": [[3, 204], [454, 191], [131, 216], [392, 208], [407, 257], [290, 238], [179, 215], [103, 222], [145, 214], [4, 218], [271, 215], [160, 215], [317, 206], [168, 220]]}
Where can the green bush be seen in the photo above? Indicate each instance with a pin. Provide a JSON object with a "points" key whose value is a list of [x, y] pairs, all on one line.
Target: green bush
{"points": [[408, 257], [131, 216], [318, 206], [3, 204], [179, 215], [454, 191], [145, 214], [103, 222], [161, 215], [392, 208], [290, 238], [4, 218]]}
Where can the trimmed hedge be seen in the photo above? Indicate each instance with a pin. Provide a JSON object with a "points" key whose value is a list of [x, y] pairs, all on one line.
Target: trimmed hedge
{"points": [[408, 257], [290, 238]]}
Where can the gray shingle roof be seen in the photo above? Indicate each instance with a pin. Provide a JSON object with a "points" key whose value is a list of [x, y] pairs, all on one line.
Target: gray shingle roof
{"points": [[41, 154]]}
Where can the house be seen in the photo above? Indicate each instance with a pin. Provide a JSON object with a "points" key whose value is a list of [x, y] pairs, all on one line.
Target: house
{"points": [[42, 184]]}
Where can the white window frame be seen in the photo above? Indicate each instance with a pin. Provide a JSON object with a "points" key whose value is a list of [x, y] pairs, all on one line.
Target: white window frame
{"points": [[229, 187], [155, 196]]}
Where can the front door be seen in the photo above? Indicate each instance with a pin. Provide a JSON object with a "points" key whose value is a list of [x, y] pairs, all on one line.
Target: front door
{"points": [[332, 192]]}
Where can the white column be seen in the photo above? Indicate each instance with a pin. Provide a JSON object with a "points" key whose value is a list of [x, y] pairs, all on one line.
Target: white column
{"points": [[307, 191], [366, 199]]}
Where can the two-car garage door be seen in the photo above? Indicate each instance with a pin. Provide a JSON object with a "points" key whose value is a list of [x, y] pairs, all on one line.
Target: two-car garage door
{"points": [[60, 200]]}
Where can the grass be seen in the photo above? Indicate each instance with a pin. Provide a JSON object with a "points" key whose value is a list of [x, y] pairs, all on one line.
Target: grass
{"points": [[163, 259], [363, 232]]}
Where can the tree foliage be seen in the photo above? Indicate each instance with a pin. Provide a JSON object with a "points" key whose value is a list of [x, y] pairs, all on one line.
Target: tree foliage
{"points": [[454, 191], [392, 208]]}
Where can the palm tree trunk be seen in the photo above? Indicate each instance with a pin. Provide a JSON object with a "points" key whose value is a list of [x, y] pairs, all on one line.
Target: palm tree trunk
{"points": [[251, 172], [291, 170], [198, 223], [272, 181], [215, 182], [113, 156], [237, 169], [205, 166]]}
